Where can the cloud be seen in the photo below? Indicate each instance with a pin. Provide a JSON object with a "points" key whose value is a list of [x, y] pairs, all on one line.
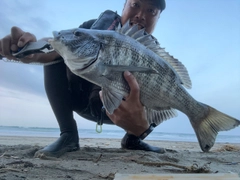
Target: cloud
{"points": [[26, 78], [31, 17], [19, 108], [27, 15]]}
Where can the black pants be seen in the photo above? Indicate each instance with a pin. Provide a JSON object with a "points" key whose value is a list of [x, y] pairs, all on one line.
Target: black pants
{"points": [[67, 92]]}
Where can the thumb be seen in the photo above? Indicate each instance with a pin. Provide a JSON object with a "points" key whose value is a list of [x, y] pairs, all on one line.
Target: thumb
{"points": [[133, 84]]}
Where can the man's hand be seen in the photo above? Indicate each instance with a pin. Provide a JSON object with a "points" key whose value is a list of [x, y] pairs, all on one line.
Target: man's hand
{"points": [[15, 41], [130, 115]]}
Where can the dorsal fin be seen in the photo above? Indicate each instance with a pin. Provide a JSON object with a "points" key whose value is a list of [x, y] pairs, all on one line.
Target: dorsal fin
{"points": [[151, 43], [177, 66]]}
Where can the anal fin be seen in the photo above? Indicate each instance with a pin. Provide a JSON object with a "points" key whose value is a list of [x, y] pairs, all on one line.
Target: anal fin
{"points": [[158, 116]]}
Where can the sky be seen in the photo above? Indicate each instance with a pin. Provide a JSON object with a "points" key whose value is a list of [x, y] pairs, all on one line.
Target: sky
{"points": [[204, 35]]}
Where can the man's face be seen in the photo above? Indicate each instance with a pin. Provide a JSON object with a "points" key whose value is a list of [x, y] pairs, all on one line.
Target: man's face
{"points": [[141, 12]]}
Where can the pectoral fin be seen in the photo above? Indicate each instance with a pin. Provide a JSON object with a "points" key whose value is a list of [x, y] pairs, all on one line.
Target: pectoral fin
{"points": [[111, 99]]}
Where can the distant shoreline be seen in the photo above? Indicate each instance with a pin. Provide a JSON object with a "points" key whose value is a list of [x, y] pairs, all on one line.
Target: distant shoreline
{"points": [[115, 134], [109, 142]]}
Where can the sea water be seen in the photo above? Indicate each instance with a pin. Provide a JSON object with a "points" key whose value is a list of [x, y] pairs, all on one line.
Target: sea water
{"points": [[115, 134]]}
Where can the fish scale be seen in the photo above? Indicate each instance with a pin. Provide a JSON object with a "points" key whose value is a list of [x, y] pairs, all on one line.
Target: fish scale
{"points": [[132, 54], [182, 101], [101, 57]]}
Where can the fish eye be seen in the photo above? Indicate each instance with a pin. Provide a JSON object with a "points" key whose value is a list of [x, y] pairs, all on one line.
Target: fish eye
{"points": [[77, 33]]}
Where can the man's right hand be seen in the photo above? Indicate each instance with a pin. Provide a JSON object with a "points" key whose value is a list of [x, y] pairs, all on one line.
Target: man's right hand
{"points": [[15, 41]]}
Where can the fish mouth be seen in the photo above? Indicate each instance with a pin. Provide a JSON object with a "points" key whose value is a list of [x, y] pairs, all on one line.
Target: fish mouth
{"points": [[55, 34]]}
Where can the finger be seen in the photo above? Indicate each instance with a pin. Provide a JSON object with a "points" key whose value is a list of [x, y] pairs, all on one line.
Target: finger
{"points": [[21, 38], [16, 33], [5, 46], [25, 38], [133, 84]]}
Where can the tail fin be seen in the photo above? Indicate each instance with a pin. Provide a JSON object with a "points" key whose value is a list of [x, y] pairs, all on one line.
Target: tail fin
{"points": [[208, 128]]}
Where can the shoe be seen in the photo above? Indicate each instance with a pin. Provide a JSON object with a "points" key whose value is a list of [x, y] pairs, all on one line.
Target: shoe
{"points": [[133, 142], [66, 143]]}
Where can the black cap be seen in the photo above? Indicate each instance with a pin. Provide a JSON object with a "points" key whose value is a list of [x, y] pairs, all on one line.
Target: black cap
{"points": [[161, 4]]}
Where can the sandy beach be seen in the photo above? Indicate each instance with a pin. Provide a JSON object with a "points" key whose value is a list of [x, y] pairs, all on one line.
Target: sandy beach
{"points": [[104, 159]]}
